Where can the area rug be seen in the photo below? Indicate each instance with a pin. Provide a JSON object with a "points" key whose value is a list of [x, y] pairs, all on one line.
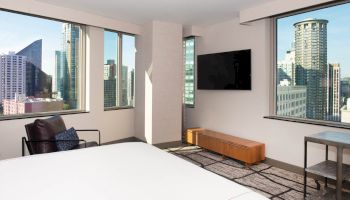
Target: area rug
{"points": [[272, 182]]}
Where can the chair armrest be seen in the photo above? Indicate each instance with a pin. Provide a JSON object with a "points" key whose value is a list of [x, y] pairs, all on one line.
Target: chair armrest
{"points": [[91, 130], [57, 141], [25, 143]]}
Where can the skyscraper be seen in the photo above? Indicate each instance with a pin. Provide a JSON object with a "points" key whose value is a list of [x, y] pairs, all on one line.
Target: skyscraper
{"points": [[110, 92], [59, 75], [124, 87], [286, 67], [131, 88], [33, 53], [67, 63], [13, 76], [311, 64], [333, 90], [38, 83]]}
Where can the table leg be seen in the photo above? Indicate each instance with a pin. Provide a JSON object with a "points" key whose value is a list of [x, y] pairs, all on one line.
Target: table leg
{"points": [[305, 165], [325, 179], [339, 172]]}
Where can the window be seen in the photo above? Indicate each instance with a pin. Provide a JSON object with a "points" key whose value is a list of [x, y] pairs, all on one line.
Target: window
{"points": [[119, 70], [313, 64], [189, 62], [41, 65]]}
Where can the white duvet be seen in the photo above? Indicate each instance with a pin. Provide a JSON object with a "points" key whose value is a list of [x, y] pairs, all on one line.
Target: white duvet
{"points": [[126, 171]]}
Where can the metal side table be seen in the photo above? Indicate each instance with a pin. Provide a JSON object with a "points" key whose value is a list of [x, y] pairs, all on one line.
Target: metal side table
{"points": [[329, 169]]}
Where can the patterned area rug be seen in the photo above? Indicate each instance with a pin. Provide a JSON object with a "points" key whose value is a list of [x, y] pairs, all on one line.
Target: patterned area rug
{"points": [[272, 182]]}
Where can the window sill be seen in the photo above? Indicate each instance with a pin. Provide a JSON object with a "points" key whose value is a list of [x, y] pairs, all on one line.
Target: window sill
{"points": [[44, 114], [310, 121], [119, 108]]}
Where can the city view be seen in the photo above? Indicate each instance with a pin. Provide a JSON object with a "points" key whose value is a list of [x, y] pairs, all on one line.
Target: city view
{"points": [[313, 65], [40, 62], [119, 91]]}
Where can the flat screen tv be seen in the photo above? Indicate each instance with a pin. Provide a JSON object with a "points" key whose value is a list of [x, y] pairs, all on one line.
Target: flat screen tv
{"points": [[224, 71]]}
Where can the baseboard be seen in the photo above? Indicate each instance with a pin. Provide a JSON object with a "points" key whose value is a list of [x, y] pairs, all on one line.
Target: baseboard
{"points": [[285, 166], [168, 144], [135, 139], [129, 139]]}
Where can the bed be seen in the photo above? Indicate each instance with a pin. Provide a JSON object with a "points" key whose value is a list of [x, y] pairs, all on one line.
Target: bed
{"points": [[126, 171]]}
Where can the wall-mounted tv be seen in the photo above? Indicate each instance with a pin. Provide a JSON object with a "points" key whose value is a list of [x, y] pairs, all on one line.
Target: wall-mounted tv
{"points": [[224, 71]]}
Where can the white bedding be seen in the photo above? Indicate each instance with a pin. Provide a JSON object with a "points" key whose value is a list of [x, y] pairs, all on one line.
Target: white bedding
{"points": [[127, 171]]}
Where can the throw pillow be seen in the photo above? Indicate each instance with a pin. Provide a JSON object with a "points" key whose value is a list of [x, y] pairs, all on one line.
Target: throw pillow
{"points": [[70, 135]]}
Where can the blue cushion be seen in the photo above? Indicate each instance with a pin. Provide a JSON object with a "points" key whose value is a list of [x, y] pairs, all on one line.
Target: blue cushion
{"points": [[69, 134]]}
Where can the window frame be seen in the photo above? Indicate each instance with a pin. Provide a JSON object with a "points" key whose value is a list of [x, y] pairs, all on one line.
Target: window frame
{"points": [[81, 70], [119, 71], [273, 60], [194, 72]]}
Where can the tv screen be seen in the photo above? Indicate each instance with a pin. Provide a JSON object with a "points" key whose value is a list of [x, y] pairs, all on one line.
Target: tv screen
{"points": [[224, 71]]}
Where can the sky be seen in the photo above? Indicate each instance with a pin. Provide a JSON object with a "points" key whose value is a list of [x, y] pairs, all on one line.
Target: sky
{"points": [[128, 48], [18, 31], [338, 34]]}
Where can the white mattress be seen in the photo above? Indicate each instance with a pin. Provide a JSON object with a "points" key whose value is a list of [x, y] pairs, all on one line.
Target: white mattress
{"points": [[127, 171]]}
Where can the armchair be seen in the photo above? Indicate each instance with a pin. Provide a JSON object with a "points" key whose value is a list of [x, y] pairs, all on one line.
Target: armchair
{"points": [[41, 136]]}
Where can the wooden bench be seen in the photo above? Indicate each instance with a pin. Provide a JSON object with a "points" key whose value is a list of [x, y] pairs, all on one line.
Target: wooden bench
{"points": [[248, 151]]}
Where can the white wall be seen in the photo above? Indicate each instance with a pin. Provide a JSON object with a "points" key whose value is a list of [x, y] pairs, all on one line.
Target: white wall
{"points": [[167, 82], [158, 110], [144, 43], [114, 125], [48, 10], [276, 7], [240, 113]]}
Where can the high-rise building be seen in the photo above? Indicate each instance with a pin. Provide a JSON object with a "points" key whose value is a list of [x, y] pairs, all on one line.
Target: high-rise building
{"points": [[124, 87], [311, 64], [333, 90], [291, 100], [13, 76], [131, 88], [109, 71], [344, 90], [286, 67], [59, 73], [110, 92], [33, 53], [38, 83], [67, 62]]}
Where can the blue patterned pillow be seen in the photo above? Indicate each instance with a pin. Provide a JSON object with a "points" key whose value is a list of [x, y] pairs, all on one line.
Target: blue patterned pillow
{"points": [[69, 134]]}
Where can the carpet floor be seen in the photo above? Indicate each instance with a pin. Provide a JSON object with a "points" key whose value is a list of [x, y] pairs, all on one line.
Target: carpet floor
{"points": [[272, 182]]}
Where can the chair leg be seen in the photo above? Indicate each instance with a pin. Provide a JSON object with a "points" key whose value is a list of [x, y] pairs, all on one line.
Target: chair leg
{"points": [[23, 141]]}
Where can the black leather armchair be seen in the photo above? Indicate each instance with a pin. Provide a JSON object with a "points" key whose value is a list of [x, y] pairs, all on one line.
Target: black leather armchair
{"points": [[41, 136]]}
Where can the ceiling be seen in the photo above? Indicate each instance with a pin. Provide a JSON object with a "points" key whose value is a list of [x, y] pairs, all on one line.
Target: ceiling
{"points": [[187, 12]]}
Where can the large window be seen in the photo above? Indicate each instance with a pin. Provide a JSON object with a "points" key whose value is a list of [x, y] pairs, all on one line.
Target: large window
{"points": [[41, 65], [119, 70], [189, 62], [313, 64]]}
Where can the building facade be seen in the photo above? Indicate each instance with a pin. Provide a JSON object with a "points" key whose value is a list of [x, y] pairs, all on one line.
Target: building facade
{"points": [[333, 90], [67, 63], [286, 67], [311, 65], [38, 83], [22, 105], [291, 101], [13, 76], [110, 84]]}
